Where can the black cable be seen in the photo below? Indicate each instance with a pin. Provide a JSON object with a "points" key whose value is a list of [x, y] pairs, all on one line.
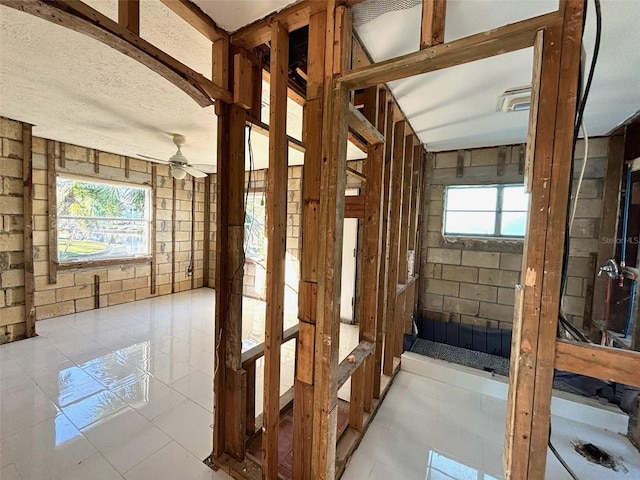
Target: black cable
{"points": [[561, 460], [576, 131]]}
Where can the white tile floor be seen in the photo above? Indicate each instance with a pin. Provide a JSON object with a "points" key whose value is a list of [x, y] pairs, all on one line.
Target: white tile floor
{"points": [[123, 391], [126, 392]]}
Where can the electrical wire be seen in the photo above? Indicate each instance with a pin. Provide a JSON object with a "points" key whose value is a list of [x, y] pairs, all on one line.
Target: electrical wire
{"points": [[584, 167]]}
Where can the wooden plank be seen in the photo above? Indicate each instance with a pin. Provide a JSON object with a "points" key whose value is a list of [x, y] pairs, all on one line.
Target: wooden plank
{"points": [[405, 212], [433, 22], [393, 247], [194, 16], [333, 181], [126, 167], [385, 122], [354, 206], [276, 249], [460, 164], [242, 81], [250, 415], [308, 290], [27, 233], [530, 386], [129, 15], [533, 112], [96, 161], [193, 233], [174, 208], [52, 206], [81, 18], [356, 403], [358, 355], [353, 173], [256, 89], [606, 363], [206, 234], [96, 291], [103, 263], [63, 155], [415, 199], [502, 160], [152, 229], [508, 38], [256, 352], [363, 127], [292, 18]]}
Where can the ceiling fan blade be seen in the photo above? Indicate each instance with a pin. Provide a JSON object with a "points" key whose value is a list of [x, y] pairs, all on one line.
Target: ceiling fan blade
{"points": [[153, 159], [204, 167], [193, 171]]}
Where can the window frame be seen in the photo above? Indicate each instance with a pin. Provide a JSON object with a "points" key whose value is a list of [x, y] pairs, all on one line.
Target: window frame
{"points": [[114, 260], [499, 210]]}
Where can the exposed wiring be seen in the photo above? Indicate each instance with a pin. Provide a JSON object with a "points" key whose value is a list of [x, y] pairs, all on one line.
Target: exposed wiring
{"points": [[584, 167]]}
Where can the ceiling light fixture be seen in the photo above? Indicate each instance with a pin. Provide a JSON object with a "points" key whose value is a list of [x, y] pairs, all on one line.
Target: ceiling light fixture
{"points": [[177, 172], [515, 100]]}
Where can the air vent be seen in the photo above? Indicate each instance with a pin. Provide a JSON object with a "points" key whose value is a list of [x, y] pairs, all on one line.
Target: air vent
{"points": [[514, 100]]}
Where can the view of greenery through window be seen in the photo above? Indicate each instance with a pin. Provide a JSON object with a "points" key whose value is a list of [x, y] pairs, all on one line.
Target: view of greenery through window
{"points": [[101, 220], [488, 210], [254, 226]]}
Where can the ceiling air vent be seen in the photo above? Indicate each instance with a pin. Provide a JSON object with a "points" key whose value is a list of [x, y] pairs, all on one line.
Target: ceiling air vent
{"points": [[514, 100]]}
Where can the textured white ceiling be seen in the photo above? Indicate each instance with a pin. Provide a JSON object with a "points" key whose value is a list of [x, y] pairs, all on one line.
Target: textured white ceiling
{"points": [[233, 14], [455, 108]]}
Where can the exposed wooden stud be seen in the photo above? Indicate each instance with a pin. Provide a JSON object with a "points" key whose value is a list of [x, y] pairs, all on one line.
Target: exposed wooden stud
{"points": [[433, 22], [606, 363], [80, 17], [193, 234], [502, 160], [251, 399], [276, 249], [416, 186], [256, 90], [405, 213], [63, 155], [508, 38], [353, 173], [96, 291], [152, 232], [242, 81], [96, 161], [460, 164], [333, 183], [174, 207], [27, 204], [393, 247], [206, 254], [531, 384], [52, 207], [521, 159], [363, 127], [347, 367], [533, 112], [129, 15], [190, 13], [308, 289], [127, 167]]}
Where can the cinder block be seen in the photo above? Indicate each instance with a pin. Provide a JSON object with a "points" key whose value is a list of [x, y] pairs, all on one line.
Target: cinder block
{"points": [[583, 247], [443, 287], [135, 283], [11, 315], [511, 261], [435, 207], [585, 228], [480, 259], [484, 156], [11, 205], [12, 186], [574, 286], [589, 208], [84, 304], [44, 297], [574, 305], [473, 291], [12, 148], [461, 306], [460, 274], [11, 129], [444, 255], [499, 278], [15, 296], [120, 273], [55, 309], [73, 293], [495, 311], [74, 152], [10, 241], [506, 296], [446, 160], [122, 297], [10, 167], [12, 278]]}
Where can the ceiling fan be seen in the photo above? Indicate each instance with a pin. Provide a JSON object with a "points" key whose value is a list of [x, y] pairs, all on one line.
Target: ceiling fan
{"points": [[178, 163]]}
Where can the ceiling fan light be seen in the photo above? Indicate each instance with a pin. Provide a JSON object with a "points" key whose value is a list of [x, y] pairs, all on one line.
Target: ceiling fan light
{"points": [[177, 172]]}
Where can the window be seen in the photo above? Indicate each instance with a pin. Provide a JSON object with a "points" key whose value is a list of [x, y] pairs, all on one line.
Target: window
{"points": [[99, 220], [486, 210], [255, 226]]}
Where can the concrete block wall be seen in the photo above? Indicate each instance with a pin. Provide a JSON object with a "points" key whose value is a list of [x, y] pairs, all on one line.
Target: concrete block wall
{"points": [[12, 309], [74, 289], [472, 280]]}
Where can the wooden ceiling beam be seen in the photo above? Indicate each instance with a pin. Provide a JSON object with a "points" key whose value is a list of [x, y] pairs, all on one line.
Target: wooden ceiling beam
{"points": [[81, 18], [359, 124], [433, 22], [195, 17], [129, 15], [501, 40], [292, 18]]}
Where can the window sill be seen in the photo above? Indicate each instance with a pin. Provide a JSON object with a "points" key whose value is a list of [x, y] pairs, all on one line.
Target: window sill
{"points": [[463, 240], [110, 262]]}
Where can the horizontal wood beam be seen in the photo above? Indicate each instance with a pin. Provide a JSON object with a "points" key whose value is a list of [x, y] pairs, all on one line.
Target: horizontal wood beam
{"points": [[605, 363], [363, 127], [81, 18], [263, 129], [103, 263], [360, 354], [195, 17], [353, 173], [254, 353], [292, 18], [501, 40]]}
